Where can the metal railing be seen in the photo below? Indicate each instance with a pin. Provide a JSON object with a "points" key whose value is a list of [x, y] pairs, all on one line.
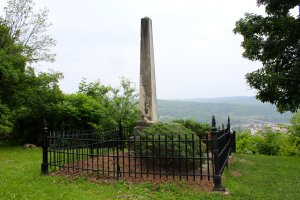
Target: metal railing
{"points": [[222, 140], [121, 154]]}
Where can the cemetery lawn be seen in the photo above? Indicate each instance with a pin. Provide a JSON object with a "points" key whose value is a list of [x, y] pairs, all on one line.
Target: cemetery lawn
{"points": [[248, 177]]}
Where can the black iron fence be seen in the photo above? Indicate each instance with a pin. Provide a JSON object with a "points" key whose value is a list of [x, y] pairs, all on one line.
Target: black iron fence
{"points": [[120, 153]]}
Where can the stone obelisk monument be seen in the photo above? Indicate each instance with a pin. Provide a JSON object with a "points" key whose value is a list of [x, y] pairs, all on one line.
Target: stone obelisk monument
{"points": [[147, 98]]}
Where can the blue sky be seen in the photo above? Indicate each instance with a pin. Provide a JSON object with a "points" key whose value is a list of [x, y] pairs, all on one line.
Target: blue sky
{"points": [[196, 53]]}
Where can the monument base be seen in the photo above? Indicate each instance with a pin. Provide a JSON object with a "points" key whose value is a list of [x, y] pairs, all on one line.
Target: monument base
{"points": [[142, 125]]}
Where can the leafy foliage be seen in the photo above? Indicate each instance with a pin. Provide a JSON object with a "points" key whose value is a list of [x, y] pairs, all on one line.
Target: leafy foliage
{"points": [[6, 122], [95, 90], [36, 101], [25, 97], [124, 104], [200, 129], [12, 68], [266, 142], [119, 102], [79, 111], [294, 129], [179, 148], [275, 41], [246, 143], [278, 7], [295, 124]]}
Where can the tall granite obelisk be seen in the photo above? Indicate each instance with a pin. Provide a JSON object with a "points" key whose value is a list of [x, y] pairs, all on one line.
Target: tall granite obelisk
{"points": [[147, 98]]}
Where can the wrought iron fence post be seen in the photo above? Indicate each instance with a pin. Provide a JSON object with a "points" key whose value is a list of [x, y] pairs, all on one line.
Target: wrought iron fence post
{"points": [[228, 123], [217, 175], [228, 136], [120, 143], [121, 135], [91, 143], [45, 149]]}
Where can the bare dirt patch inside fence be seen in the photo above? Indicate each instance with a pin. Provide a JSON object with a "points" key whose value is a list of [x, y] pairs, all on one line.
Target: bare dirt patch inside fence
{"points": [[136, 170]]}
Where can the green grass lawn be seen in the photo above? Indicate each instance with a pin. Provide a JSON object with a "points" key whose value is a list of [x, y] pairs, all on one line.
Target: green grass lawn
{"points": [[248, 177]]}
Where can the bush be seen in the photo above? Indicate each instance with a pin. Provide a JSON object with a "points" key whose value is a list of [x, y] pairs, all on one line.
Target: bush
{"points": [[247, 143], [183, 151], [277, 144], [200, 129], [266, 142], [294, 129]]}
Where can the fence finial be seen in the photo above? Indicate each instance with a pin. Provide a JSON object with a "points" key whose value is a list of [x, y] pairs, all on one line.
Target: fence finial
{"points": [[213, 122], [121, 134], [228, 122], [45, 124]]}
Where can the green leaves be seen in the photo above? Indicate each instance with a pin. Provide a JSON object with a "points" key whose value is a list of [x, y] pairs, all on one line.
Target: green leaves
{"points": [[124, 104], [275, 41], [171, 140], [5, 121], [200, 129], [78, 111], [267, 142], [278, 7]]}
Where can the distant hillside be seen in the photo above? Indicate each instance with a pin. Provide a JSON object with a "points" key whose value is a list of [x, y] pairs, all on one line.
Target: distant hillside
{"points": [[242, 110], [230, 100]]}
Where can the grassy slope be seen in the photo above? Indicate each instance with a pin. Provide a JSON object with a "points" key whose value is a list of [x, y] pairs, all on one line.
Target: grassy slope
{"points": [[262, 177], [20, 179]]}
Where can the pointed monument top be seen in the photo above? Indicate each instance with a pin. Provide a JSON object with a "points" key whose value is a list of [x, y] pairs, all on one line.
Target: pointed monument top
{"points": [[146, 19]]}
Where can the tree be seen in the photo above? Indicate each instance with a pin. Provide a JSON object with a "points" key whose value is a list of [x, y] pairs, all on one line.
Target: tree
{"points": [[12, 67], [38, 97], [275, 41], [124, 104], [96, 89], [80, 111], [120, 102], [29, 30], [25, 97]]}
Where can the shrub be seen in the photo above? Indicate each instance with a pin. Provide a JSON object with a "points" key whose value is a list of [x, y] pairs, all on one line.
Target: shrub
{"points": [[200, 129], [247, 143], [294, 129], [274, 143], [173, 142], [267, 142]]}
